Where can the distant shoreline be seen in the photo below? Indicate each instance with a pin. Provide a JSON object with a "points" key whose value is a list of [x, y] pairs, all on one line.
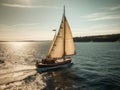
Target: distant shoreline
{"points": [[99, 38]]}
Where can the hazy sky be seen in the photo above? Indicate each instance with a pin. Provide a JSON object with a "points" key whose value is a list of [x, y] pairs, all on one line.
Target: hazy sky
{"points": [[35, 19]]}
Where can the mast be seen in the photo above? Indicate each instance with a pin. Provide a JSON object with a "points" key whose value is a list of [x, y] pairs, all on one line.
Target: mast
{"points": [[63, 44], [64, 33]]}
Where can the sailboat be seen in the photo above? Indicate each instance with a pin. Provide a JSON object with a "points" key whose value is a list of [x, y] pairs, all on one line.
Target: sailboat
{"points": [[61, 48]]}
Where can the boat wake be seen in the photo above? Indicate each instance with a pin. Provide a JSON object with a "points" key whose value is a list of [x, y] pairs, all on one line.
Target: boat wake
{"points": [[17, 76]]}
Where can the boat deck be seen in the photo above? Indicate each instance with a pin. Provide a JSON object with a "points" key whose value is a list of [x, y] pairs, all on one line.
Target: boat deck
{"points": [[57, 62]]}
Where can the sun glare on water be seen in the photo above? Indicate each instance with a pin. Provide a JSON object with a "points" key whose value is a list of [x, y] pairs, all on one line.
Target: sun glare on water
{"points": [[17, 45]]}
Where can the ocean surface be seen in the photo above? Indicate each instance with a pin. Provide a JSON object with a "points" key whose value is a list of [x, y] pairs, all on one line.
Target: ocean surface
{"points": [[96, 66]]}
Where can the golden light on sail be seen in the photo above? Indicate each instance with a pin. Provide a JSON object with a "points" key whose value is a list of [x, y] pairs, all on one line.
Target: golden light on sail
{"points": [[57, 48], [62, 44], [69, 43]]}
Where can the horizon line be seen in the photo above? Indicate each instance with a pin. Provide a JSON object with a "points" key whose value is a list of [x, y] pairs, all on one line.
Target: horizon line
{"points": [[50, 40]]}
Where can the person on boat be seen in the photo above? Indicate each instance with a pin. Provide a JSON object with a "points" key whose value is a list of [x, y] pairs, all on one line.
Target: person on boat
{"points": [[37, 63], [48, 61]]}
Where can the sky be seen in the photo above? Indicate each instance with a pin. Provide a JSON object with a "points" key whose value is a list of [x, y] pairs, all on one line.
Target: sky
{"points": [[35, 19]]}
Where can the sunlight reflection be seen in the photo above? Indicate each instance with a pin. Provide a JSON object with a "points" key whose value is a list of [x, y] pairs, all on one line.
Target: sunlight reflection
{"points": [[18, 45]]}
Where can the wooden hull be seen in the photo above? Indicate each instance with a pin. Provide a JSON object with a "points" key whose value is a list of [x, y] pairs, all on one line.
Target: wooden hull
{"points": [[46, 67]]}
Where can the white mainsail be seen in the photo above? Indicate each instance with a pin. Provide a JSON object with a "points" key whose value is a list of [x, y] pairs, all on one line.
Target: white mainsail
{"points": [[63, 44], [57, 50], [69, 43]]}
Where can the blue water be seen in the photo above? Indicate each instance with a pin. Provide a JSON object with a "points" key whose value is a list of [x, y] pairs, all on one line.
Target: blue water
{"points": [[96, 65]]}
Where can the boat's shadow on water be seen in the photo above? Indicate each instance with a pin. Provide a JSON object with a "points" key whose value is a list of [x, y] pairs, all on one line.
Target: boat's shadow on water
{"points": [[62, 79]]}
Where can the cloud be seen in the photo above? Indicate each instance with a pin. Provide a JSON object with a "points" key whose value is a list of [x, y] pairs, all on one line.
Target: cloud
{"points": [[109, 17], [115, 8], [90, 31], [16, 5], [95, 15], [112, 8], [27, 6], [107, 13], [99, 27], [27, 24], [102, 16], [5, 28], [24, 32]]}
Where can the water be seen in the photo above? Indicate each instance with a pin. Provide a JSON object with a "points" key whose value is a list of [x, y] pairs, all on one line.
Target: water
{"points": [[96, 67]]}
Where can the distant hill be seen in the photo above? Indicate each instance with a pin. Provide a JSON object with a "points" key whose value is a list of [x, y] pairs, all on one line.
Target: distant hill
{"points": [[99, 38]]}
